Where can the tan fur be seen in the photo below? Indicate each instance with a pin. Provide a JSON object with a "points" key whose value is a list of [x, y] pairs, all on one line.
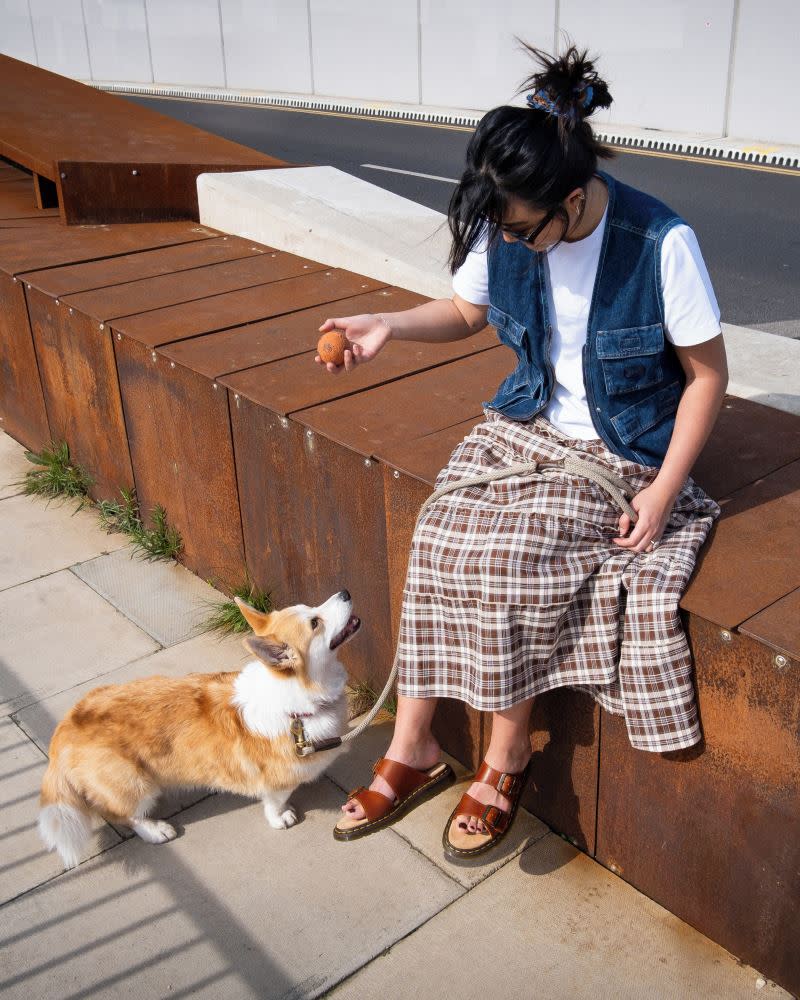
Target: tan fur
{"points": [[122, 744]]}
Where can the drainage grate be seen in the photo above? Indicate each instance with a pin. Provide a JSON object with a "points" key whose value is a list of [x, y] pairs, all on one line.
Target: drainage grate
{"points": [[694, 147]]}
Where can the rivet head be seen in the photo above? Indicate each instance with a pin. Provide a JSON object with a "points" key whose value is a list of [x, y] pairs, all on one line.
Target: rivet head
{"points": [[119, 335], [309, 434], [135, 173], [57, 302], [214, 386], [70, 312], [63, 177], [725, 635], [284, 422], [153, 355], [365, 286], [396, 474], [172, 364], [15, 280], [273, 255], [103, 326], [367, 462], [781, 662], [29, 287]]}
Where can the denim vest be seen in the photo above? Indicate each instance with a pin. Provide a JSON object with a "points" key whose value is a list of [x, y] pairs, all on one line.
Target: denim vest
{"points": [[633, 378]]}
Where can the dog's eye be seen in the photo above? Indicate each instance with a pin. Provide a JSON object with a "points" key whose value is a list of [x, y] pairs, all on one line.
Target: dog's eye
{"points": [[314, 622]]}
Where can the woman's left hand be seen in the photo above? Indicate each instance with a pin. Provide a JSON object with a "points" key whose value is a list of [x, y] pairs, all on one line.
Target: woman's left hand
{"points": [[654, 506]]}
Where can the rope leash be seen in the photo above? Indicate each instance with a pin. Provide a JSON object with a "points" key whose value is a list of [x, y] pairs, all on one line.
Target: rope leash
{"points": [[609, 481]]}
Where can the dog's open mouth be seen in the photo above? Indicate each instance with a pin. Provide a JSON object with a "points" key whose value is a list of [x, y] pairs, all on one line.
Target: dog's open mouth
{"points": [[350, 629]]}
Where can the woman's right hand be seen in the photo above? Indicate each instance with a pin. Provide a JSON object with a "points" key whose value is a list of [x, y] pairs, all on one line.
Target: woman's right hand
{"points": [[367, 333]]}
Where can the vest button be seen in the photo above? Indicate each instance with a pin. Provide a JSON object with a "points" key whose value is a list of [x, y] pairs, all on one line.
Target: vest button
{"points": [[597, 408]]}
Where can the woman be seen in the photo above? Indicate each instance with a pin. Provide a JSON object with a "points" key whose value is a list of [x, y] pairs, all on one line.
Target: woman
{"points": [[518, 586]]}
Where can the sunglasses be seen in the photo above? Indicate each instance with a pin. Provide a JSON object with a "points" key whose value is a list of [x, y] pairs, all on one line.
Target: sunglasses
{"points": [[534, 233]]}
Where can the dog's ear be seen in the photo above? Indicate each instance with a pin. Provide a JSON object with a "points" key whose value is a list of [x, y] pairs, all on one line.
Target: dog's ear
{"points": [[270, 650], [257, 620]]}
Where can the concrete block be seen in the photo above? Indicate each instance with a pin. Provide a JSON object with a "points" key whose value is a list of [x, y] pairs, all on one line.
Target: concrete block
{"points": [[40, 538], [26, 863], [330, 216], [556, 924], [161, 597], [56, 633], [231, 908]]}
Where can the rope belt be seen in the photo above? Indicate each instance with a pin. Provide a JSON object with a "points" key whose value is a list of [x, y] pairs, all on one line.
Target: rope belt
{"points": [[613, 484]]}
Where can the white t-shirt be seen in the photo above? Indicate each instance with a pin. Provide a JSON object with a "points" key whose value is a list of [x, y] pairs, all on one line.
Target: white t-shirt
{"points": [[691, 313]]}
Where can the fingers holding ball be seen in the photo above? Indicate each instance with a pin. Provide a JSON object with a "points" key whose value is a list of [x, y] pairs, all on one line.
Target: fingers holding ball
{"points": [[332, 345]]}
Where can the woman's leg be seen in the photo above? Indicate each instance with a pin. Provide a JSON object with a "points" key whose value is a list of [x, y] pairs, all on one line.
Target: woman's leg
{"points": [[413, 743], [509, 750]]}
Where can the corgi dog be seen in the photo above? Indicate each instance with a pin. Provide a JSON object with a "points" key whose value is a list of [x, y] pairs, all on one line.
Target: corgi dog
{"points": [[116, 750]]}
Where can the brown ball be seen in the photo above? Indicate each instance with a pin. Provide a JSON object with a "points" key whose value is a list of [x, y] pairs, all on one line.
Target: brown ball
{"points": [[332, 345]]}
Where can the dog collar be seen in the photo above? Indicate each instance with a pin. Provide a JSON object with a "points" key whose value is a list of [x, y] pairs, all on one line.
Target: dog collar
{"points": [[303, 746]]}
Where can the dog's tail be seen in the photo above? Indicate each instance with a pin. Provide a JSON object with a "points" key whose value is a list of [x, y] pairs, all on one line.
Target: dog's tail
{"points": [[64, 820]]}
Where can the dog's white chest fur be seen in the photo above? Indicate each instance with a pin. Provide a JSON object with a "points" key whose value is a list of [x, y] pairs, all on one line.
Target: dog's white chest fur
{"points": [[266, 704]]}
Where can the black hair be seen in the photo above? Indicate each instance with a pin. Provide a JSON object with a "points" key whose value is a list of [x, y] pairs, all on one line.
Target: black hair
{"points": [[530, 152]]}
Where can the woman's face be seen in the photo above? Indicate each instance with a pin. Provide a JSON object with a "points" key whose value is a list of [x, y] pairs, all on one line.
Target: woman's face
{"points": [[521, 220]]}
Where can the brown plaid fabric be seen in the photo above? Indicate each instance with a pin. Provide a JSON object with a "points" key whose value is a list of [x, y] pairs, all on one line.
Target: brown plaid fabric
{"points": [[515, 587]]}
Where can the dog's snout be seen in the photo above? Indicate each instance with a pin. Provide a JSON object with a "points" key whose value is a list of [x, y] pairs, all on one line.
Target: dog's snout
{"points": [[344, 595]]}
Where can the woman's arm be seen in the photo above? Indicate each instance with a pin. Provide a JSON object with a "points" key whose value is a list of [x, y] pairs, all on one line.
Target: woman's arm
{"points": [[434, 322], [706, 370]]}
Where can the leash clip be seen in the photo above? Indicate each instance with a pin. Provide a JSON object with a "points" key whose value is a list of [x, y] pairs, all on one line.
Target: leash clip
{"points": [[302, 745]]}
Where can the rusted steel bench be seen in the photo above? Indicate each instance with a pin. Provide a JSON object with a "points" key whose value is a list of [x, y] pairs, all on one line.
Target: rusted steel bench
{"points": [[99, 158], [17, 201], [203, 374]]}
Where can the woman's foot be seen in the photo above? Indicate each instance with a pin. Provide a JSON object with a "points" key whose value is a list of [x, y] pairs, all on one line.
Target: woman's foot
{"points": [[420, 755], [512, 761]]}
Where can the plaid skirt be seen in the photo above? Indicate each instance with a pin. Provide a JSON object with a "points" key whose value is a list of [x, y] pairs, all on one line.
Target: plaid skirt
{"points": [[515, 587]]}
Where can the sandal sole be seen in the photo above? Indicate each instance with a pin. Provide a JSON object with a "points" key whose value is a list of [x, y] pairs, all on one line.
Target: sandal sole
{"points": [[447, 776], [457, 853]]}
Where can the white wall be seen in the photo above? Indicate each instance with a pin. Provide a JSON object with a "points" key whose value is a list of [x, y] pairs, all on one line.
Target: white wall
{"points": [[714, 67]]}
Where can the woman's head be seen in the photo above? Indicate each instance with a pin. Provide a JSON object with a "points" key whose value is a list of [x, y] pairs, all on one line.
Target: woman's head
{"points": [[524, 163]]}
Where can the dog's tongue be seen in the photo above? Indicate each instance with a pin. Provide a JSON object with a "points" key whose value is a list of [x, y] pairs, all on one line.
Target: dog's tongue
{"points": [[352, 626]]}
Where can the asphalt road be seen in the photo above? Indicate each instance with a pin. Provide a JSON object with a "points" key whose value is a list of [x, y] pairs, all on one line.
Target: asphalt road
{"points": [[747, 218]]}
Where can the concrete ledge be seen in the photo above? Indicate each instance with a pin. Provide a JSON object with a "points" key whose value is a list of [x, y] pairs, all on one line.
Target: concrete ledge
{"points": [[330, 216]]}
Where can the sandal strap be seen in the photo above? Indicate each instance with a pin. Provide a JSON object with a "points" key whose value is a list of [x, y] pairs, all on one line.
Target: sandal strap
{"points": [[400, 777], [502, 781], [494, 818], [374, 804]]}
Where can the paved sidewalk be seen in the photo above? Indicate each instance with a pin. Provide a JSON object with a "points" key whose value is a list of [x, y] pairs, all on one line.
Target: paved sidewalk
{"points": [[232, 908]]}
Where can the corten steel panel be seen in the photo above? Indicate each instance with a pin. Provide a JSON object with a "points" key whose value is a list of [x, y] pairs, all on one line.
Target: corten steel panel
{"points": [[313, 524], [749, 440], [249, 305], [458, 728], [22, 409], [58, 245], [134, 266], [79, 381], [28, 223], [751, 557], [297, 383], [778, 626], [179, 433], [425, 457], [150, 294], [136, 191], [47, 117], [712, 832], [17, 202], [228, 351], [375, 421]]}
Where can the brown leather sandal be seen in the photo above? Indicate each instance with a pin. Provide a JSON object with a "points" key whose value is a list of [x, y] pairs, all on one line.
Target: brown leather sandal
{"points": [[410, 787], [458, 843]]}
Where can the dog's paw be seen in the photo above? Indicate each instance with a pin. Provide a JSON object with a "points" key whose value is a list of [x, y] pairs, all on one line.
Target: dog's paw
{"points": [[155, 831], [281, 820]]}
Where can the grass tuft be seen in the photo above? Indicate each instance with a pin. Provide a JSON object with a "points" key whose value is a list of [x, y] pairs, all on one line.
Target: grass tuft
{"points": [[123, 516], [56, 475], [225, 618], [365, 696]]}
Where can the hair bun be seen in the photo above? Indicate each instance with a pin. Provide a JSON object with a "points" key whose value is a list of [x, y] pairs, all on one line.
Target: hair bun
{"points": [[567, 87]]}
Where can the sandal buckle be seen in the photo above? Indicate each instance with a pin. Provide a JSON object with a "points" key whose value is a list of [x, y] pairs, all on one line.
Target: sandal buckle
{"points": [[495, 820], [507, 783]]}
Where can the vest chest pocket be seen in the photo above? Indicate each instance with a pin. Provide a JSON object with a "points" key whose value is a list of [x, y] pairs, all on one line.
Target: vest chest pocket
{"points": [[631, 358], [508, 329]]}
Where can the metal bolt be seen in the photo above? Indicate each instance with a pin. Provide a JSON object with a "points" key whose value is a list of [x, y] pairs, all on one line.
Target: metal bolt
{"points": [[367, 462], [214, 385], [135, 173], [57, 302], [306, 267], [63, 177], [15, 280], [103, 326], [725, 635], [119, 335], [284, 422], [153, 355], [781, 662], [70, 312], [29, 287], [396, 474], [172, 364], [365, 286], [328, 274], [273, 255], [309, 434]]}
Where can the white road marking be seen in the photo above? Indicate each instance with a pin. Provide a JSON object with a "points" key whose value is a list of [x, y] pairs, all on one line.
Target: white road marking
{"points": [[411, 173]]}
